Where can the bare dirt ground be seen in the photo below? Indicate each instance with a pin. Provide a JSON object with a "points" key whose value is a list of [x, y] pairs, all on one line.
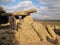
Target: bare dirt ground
{"points": [[49, 22]]}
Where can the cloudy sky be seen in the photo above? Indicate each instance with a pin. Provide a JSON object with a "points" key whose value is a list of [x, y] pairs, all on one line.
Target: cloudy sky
{"points": [[46, 9]]}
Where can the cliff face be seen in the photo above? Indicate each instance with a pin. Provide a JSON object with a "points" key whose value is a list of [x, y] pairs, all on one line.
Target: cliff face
{"points": [[30, 32]]}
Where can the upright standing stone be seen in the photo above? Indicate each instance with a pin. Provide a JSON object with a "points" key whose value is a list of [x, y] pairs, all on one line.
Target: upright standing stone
{"points": [[28, 19]]}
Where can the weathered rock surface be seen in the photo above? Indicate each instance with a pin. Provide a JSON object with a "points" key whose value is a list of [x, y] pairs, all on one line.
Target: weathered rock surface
{"points": [[28, 20], [27, 34], [51, 31], [31, 32], [41, 30]]}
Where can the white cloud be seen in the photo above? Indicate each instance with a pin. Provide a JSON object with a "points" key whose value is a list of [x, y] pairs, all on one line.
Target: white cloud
{"points": [[53, 10], [20, 6], [48, 9], [28, 5], [6, 1], [43, 7]]}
